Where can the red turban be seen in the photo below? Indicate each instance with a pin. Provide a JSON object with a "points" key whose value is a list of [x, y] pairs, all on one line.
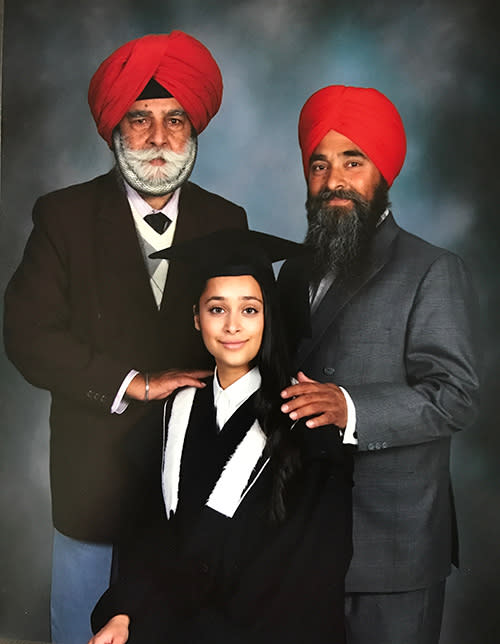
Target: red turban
{"points": [[178, 62], [363, 115]]}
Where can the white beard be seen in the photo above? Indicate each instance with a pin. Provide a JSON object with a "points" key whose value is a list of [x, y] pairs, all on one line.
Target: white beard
{"points": [[154, 180]]}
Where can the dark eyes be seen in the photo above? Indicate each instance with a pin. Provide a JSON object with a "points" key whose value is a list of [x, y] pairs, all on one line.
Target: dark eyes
{"points": [[144, 121], [248, 310], [317, 168], [138, 121]]}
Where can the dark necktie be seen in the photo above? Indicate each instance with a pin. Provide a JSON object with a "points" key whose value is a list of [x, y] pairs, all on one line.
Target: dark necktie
{"points": [[158, 221]]}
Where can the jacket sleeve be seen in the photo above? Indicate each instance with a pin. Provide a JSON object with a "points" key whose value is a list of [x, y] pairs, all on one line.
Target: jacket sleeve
{"points": [[440, 395], [38, 332]]}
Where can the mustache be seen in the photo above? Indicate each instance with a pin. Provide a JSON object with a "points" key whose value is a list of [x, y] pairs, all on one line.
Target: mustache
{"points": [[340, 193], [149, 154]]}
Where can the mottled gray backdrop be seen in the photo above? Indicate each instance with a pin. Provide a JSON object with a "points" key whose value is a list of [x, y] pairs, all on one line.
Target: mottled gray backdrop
{"points": [[438, 61]]}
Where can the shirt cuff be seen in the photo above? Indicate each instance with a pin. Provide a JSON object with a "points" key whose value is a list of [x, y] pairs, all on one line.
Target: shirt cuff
{"points": [[119, 404], [350, 428]]}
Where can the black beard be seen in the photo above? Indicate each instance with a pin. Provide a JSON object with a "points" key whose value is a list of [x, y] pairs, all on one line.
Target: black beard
{"points": [[341, 236]]}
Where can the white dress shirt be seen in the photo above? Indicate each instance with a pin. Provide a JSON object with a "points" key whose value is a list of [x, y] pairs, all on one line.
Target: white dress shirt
{"points": [[228, 400], [149, 236]]}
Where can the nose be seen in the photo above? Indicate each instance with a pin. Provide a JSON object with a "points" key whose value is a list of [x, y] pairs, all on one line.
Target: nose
{"points": [[336, 179], [232, 323], [158, 135]]}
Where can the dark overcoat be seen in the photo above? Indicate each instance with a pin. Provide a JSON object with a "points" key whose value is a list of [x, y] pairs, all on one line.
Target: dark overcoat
{"points": [[80, 314]]}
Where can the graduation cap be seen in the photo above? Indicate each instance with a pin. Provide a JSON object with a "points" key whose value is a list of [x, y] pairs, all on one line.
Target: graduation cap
{"points": [[233, 251]]}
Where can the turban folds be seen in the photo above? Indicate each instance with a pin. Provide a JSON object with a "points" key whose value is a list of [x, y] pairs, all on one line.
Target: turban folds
{"points": [[363, 115], [178, 62]]}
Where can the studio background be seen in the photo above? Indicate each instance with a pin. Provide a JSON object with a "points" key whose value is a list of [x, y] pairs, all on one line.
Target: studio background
{"points": [[437, 61]]}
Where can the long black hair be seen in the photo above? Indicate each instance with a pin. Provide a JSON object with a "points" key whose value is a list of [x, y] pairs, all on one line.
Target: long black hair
{"points": [[274, 364]]}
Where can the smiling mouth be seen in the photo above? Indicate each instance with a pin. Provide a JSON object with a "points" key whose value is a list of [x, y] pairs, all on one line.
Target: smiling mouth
{"points": [[233, 345], [157, 162], [337, 201]]}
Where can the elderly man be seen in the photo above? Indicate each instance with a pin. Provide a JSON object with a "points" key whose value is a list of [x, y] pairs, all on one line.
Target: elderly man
{"points": [[95, 321], [383, 328]]}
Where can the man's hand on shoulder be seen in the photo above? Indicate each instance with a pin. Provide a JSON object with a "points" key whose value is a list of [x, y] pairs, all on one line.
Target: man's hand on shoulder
{"points": [[161, 384], [324, 402]]}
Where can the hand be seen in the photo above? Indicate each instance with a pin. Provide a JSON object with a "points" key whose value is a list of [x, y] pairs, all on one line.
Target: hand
{"points": [[324, 401], [163, 383], [115, 631]]}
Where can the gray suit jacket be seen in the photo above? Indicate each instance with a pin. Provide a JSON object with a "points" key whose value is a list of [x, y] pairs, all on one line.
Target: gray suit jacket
{"points": [[400, 338]]}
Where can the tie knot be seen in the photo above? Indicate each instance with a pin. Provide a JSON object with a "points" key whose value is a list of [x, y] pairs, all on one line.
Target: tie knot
{"points": [[158, 221]]}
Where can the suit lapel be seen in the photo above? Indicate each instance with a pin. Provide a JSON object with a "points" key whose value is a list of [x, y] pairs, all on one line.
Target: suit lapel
{"points": [[189, 224], [120, 259], [122, 273], [187, 219], [339, 295]]}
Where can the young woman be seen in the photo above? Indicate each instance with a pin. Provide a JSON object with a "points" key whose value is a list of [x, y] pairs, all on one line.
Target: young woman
{"points": [[252, 539]]}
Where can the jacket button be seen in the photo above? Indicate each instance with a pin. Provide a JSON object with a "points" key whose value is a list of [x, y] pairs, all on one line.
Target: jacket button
{"points": [[328, 371], [371, 446]]}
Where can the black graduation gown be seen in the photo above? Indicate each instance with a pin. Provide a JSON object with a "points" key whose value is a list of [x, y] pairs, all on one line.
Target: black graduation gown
{"points": [[201, 577]]}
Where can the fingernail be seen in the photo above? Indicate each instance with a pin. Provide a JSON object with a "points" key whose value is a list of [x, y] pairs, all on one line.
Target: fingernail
{"points": [[284, 408], [310, 423], [284, 394], [293, 415]]}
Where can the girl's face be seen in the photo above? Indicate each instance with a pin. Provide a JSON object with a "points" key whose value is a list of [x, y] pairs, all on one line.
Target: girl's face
{"points": [[231, 320]]}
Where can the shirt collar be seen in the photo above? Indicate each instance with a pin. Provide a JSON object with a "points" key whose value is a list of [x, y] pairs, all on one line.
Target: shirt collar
{"points": [[142, 208], [228, 400], [383, 216]]}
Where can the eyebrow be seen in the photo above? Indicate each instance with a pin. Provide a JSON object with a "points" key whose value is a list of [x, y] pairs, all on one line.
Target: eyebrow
{"points": [[345, 153], [135, 113], [220, 298], [354, 153]]}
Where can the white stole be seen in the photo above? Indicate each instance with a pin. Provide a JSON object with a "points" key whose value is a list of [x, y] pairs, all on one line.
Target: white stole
{"points": [[231, 487]]}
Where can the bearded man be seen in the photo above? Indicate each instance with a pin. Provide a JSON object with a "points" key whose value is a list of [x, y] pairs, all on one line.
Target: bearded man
{"points": [[384, 326], [95, 321]]}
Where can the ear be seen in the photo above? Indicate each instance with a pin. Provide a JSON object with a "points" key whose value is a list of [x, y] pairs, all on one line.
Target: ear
{"points": [[196, 318]]}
